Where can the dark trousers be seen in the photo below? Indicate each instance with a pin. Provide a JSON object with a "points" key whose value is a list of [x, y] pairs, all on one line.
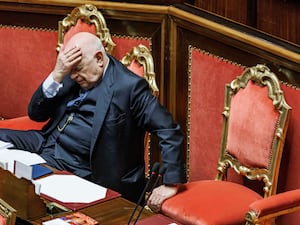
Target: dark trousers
{"points": [[32, 141]]}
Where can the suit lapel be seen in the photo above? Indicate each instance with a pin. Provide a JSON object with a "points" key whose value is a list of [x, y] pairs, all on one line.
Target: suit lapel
{"points": [[104, 96]]}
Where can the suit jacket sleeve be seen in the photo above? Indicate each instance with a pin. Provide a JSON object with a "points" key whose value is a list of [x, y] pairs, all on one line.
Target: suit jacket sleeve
{"points": [[157, 119]]}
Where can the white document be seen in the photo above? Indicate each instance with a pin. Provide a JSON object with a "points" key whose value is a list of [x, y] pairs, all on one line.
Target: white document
{"points": [[5, 145], [70, 189], [8, 157]]}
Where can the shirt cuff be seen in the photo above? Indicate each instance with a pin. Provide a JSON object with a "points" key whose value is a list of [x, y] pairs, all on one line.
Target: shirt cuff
{"points": [[51, 87]]}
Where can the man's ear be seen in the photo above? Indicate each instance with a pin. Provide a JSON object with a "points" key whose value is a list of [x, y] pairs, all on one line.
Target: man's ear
{"points": [[100, 58]]}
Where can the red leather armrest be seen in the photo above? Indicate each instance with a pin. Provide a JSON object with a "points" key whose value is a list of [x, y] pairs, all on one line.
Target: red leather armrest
{"points": [[278, 204]]}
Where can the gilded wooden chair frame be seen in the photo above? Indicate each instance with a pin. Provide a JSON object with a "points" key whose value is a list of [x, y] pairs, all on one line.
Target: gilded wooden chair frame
{"points": [[90, 15], [262, 76], [142, 55], [7, 213]]}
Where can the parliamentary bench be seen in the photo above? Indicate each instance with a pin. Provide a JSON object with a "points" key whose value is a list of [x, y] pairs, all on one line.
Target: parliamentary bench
{"points": [[202, 53]]}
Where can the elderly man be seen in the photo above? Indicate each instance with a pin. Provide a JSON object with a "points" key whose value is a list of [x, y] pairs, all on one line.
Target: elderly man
{"points": [[98, 113]]}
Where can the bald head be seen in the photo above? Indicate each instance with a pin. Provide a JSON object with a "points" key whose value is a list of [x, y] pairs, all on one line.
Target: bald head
{"points": [[87, 42]]}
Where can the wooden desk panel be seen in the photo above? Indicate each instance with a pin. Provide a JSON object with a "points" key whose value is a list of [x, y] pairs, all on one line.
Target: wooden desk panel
{"points": [[116, 211]]}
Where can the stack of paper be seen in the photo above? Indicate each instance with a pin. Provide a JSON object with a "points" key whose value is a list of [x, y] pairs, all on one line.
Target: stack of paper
{"points": [[5, 145], [67, 188], [9, 156], [30, 171]]}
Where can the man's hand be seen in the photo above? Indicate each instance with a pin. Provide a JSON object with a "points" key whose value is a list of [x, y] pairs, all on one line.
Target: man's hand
{"points": [[159, 195], [66, 60]]}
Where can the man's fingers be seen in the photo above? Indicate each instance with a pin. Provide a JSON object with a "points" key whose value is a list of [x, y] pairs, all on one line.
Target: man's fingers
{"points": [[72, 55]]}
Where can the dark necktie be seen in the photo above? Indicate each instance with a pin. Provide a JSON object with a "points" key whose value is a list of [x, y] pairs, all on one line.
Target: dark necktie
{"points": [[75, 103]]}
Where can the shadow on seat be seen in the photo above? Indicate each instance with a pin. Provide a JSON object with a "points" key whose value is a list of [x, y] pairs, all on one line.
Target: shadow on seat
{"points": [[254, 129]]}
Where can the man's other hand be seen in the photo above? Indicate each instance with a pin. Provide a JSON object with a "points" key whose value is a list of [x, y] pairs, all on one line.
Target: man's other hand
{"points": [[159, 195]]}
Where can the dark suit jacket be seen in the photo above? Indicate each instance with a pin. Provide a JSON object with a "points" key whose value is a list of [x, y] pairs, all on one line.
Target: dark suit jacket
{"points": [[125, 109]]}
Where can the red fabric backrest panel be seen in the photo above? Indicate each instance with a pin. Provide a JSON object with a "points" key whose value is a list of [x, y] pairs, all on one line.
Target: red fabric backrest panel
{"points": [[27, 57], [125, 44], [289, 178], [136, 68], [252, 125], [81, 26], [209, 75]]}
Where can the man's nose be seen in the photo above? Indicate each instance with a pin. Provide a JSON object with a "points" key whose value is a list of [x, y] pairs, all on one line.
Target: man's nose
{"points": [[74, 76]]}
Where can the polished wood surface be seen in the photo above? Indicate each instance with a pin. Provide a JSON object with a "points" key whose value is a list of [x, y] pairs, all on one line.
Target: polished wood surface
{"points": [[116, 211], [278, 18], [26, 202]]}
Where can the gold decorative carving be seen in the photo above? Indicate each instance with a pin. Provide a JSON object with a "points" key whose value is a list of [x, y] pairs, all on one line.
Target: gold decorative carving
{"points": [[143, 56], [7, 213], [90, 15]]}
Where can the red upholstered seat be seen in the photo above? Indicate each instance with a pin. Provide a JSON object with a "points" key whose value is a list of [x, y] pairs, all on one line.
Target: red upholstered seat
{"points": [[210, 202], [21, 123], [254, 128]]}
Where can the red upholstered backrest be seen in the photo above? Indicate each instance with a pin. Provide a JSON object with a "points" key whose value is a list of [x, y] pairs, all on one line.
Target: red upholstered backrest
{"points": [[80, 26], [289, 178], [252, 126], [125, 44], [208, 76], [136, 68], [27, 57]]}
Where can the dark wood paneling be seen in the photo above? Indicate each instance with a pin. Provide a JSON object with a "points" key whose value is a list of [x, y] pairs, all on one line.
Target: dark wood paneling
{"points": [[158, 2], [276, 17], [279, 18], [242, 11]]}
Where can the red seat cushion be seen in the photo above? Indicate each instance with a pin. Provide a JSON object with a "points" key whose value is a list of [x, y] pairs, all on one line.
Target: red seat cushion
{"points": [[21, 123], [210, 202]]}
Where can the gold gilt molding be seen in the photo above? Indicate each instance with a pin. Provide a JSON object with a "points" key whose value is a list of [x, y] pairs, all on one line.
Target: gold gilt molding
{"points": [[143, 56], [27, 28], [90, 15], [188, 124], [7, 212]]}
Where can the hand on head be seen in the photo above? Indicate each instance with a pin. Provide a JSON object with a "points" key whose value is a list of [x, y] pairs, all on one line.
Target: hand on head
{"points": [[83, 57], [67, 58]]}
